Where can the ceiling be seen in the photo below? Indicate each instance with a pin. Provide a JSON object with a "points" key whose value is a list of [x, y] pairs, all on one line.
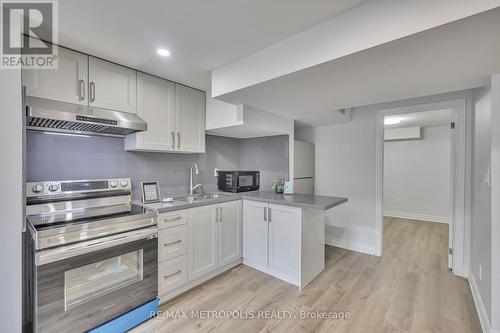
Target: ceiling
{"points": [[422, 119], [201, 35], [456, 56]]}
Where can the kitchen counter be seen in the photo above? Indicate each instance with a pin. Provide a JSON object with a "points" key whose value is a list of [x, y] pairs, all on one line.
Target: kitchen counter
{"points": [[295, 200], [163, 207]]}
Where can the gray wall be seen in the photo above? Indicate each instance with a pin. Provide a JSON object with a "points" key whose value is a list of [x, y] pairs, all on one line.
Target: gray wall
{"points": [[417, 175], [57, 157], [269, 155], [11, 201], [481, 196]]}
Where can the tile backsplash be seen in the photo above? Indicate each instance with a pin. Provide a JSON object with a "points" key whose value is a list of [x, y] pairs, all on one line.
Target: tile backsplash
{"points": [[62, 157]]}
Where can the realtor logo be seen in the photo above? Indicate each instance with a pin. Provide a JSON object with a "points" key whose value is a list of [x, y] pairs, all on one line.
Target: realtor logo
{"points": [[29, 30]]}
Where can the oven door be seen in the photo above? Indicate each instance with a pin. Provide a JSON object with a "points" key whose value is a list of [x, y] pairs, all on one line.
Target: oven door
{"points": [[81, 286], [247, 181]]}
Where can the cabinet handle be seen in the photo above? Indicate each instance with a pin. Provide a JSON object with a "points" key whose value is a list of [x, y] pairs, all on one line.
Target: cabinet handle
{"points": [[178, 140], [92, 91], [220, 216], [270, 214], [172, 243], [173, 219], [81, 89], [173, 140], [265, 213], [170, 275], [217, 214]]}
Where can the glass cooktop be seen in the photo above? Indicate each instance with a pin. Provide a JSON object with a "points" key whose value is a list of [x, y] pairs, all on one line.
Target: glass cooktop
{"points": [[86, 215]]}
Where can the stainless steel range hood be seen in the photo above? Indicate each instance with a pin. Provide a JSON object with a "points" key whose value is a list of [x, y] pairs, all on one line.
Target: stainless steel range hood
{"points": [[53, 116]]}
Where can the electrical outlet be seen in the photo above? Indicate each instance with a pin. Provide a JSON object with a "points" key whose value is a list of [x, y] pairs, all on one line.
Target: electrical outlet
{"points": [[487, 178], [480, 272], [216, 172]]}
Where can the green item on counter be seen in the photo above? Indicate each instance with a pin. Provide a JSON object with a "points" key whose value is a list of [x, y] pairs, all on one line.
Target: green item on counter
{"points": [[279, 185]]}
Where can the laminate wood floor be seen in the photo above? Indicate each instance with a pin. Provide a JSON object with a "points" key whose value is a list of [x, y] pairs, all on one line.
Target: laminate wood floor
{"points": [[409, 289]]}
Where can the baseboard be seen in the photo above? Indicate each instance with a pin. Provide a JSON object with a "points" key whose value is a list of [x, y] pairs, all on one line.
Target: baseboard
{"points": [[415, 216], [350, 245], [481, 311]]}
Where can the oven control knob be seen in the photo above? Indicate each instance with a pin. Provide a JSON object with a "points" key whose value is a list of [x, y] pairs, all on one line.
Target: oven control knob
{"points": [[53, 187], [113, 184], [37, 188], [124, 183]]}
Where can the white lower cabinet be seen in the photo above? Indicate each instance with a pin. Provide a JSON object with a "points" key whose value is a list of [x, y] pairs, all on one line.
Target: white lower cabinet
{"points": [[230, 233], [197, 244], [256, 235], [202, 240], [172, 274], [283, 241], [172, 242]]}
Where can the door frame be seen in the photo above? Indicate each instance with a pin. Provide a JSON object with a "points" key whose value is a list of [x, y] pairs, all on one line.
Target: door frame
{"points": [[460, 176]]}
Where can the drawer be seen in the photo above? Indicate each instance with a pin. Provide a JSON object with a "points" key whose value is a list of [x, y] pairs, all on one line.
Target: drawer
{"points": [[172, 274], [171, 219], [172, 242]]}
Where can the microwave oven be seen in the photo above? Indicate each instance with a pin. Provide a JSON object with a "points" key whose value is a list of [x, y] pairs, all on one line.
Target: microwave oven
{"points": [[238, 181]]}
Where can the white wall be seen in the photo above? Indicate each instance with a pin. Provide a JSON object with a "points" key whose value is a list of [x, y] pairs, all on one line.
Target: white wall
{"points": [[342, 35], [345, 166], [481, 197], [11, 201], [221, 114], [495, 199], [417, 176]]}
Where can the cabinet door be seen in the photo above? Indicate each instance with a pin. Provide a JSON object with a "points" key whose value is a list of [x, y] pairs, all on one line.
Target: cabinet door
{"points": [[112, 86], [230, 232], [255, 233], [67, 83], [190, 119], [284, 241], [202, 241], [155, 104]]}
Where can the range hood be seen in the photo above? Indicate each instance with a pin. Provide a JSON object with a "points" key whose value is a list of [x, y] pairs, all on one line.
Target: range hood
{"points": [[53, 116]]}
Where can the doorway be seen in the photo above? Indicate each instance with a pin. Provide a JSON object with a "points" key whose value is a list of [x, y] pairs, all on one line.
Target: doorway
{"points": [[402, 132]]}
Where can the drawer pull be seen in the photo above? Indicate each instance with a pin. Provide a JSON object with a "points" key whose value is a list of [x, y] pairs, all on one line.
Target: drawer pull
{"points": [[173, 219], [172, 243], [170, 275]]}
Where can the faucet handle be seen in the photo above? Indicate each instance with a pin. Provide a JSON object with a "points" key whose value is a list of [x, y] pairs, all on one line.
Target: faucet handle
{"points": [[198, 189]]}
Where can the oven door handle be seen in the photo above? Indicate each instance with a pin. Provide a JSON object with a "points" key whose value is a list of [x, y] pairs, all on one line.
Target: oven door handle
{"points": [[51, 255]]}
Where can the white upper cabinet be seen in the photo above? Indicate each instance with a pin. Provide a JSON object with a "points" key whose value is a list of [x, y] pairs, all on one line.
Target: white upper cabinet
{"points": [[68, 83], [112, 86], [155, 104], [230, 233], [189, 119], [175, 115]]}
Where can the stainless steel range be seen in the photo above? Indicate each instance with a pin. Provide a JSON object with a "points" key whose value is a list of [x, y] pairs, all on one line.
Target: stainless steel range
{"points": [[94, 253]]}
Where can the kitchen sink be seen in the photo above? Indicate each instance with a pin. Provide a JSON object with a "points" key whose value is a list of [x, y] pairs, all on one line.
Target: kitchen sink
{"points": [[201, 197]]}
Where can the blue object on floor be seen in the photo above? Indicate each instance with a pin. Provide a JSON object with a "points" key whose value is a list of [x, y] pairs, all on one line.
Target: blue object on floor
{"points": [[130, 319]]}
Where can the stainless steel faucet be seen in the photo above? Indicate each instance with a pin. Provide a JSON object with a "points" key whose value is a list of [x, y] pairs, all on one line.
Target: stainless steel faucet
{"points": [[191, 187]]}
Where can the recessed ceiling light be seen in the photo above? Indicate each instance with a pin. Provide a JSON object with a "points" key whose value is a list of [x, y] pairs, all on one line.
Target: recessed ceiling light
{"points": [[163, 52], [392, 120]]}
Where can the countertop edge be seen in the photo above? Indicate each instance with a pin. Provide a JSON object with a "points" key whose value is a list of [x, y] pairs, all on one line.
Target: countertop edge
{"points": [[330, 202], [296, 204]]}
